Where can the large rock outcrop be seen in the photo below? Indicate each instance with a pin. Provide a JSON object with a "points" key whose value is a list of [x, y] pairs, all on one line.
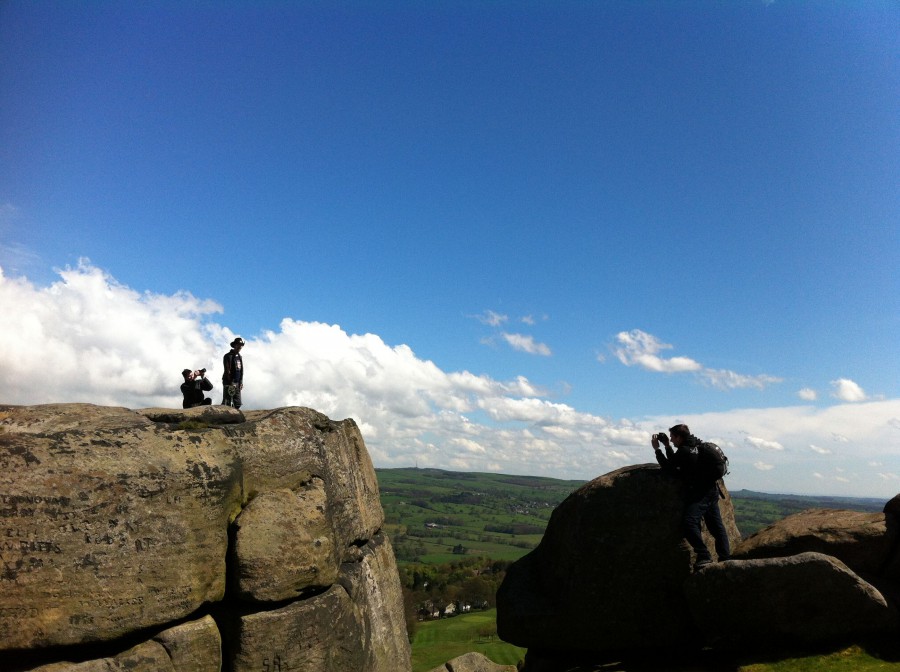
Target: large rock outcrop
{"points": [[801, 599], [473, 662], [860, 540], [613, 574], [612, 561], [264, 526], [868, 543]]}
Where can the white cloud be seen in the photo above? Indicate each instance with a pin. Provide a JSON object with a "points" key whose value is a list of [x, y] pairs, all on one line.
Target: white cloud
{"points": [[846, 390], [524, 343], [808, 394], [88, 338], [819, 449], [638, 348], [491, 318], [529, 320], [762, 466], [764, 444], [729, 380], [642, 349], [87, 335]]}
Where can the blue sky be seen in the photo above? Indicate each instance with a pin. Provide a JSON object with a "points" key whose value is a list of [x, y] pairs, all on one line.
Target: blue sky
{"points": [[512, 236]]}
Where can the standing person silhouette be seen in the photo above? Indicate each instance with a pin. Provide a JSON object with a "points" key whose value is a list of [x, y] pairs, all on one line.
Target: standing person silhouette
{"points": [[233, 376]]}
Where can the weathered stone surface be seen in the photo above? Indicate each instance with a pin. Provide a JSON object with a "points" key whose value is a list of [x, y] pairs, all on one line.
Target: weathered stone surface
{"points": [[145, 657], [357, 624], [612, 560], [379, 602], [195, 646], [110, 523], [210, 415], [191, 647], [284, 544], [115, 521], [805, 598], [473, 662], [318, 634], [859, 540], [286, 447]]}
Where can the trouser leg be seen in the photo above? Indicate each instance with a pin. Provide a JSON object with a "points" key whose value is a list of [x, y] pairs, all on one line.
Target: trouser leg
{"points": [[693, 514], [713, 519]]}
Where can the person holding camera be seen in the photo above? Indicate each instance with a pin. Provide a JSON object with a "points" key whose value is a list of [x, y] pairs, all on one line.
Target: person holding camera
{"points": [[233, 377], [701, 492], [194, 385]]}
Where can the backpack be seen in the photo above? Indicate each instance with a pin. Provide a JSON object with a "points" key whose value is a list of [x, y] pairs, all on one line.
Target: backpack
{"points": [[711, 461]]}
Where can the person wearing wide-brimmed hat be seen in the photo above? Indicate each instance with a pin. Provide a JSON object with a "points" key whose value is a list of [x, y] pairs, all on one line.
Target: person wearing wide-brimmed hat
{"points": [[233, 377]]}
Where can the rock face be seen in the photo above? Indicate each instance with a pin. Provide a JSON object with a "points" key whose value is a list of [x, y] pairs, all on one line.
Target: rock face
{"points": [[612, 573], [805, 598], [868, 543], [612, 560], [859, 540], [473, 662], [195, 646], [264, 525]]}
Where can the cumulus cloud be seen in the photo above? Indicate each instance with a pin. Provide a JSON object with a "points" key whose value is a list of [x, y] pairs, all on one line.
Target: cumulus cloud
{"points": [[524, 343], [847, 390], [88, 338], [819, 449], [808, 394], [638, 348], [762, 466], [764, 444]]}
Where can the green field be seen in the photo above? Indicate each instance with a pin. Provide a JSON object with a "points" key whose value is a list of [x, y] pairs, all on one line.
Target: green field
{"points": [[436, 642], [431, 512]]}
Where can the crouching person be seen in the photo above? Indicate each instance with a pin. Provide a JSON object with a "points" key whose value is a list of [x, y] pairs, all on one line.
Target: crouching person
{"points": [[194, 385]]}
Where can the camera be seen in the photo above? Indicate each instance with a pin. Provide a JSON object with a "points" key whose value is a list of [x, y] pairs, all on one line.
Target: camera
{"points": [[662, 437]]}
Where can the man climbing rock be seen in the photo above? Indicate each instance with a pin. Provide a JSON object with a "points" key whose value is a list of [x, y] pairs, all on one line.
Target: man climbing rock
{"points": [[699, 465]]}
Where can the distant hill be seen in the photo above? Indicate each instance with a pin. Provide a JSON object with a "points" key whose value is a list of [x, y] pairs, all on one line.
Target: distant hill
{"points": [[755, 510], [434, 516]]}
